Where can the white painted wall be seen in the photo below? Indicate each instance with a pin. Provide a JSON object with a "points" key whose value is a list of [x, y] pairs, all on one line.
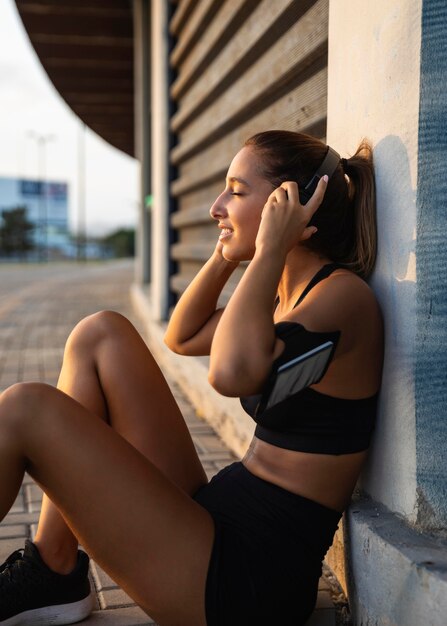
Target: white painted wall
{"points": [[373, 91]]}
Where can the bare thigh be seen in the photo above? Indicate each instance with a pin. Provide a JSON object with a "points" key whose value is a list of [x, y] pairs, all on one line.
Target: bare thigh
{"points": [[143, 529], [109, 369]]}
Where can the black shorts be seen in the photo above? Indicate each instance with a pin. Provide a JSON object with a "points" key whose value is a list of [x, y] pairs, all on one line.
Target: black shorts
{"points": [[268, 550]]}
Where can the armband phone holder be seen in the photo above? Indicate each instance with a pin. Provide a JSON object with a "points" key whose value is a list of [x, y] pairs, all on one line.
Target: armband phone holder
{"points": [[304, 362], [298, 373]]}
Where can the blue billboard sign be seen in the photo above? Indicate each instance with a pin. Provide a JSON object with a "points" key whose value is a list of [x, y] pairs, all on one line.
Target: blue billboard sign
{"points": [[36, 188]]}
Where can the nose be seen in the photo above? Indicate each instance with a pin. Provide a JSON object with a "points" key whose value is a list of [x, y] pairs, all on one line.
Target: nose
{"points": [[218, 209]]}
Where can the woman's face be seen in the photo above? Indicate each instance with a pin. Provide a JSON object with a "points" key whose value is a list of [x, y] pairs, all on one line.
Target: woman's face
{"points": [[238, 208]]}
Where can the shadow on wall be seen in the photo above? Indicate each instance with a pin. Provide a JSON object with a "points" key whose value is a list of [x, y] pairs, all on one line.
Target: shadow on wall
{"points": [[390, 474]]}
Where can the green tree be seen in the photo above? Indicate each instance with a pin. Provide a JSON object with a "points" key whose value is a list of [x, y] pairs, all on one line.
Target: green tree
{"points": [[15, 232], [121, 242]]}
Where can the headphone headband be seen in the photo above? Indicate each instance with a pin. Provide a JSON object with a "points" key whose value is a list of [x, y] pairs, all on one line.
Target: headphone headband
{"points": [[328, 166]]}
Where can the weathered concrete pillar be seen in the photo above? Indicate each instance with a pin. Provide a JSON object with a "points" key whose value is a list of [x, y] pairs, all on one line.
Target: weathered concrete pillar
{"points": [[141, 20], [387, 70], [160, 159]]}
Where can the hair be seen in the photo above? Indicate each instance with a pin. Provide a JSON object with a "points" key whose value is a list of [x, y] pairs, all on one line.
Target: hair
{"points": [[346, 219]]}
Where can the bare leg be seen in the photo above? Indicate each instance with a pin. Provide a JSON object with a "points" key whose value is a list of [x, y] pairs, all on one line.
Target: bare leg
{"points": [[144, 530], [109, 370]]}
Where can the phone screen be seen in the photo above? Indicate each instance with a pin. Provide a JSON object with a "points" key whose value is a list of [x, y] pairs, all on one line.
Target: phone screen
{"points": [[300, 372]]}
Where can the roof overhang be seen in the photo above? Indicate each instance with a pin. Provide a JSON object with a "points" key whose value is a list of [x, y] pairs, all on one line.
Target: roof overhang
{"points": [[86, 48]]}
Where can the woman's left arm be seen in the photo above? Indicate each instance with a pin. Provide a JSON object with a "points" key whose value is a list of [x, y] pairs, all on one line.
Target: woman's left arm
{"points": [[244, 340], [244, 343]]}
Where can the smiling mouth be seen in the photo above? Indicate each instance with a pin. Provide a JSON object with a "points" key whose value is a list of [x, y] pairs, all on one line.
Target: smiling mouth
{"points": [[226, 232]]}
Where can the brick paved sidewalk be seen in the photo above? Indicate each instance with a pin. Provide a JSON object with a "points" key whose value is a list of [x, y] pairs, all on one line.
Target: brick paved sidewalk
{"points": [[39, 305]]}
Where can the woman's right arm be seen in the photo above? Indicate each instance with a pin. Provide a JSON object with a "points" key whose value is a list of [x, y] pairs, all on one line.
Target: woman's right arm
{"points": [[193, 322]]}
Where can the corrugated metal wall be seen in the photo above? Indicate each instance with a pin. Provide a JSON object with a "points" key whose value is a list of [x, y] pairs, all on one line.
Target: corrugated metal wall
{"points": [[242, 66]]}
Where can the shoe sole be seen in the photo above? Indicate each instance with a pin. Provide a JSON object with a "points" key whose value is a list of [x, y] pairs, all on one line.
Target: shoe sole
{"points": [[53, 615]]}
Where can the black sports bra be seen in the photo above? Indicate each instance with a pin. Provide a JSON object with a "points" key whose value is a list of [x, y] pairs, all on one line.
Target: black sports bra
{"points": [[290, 414]]}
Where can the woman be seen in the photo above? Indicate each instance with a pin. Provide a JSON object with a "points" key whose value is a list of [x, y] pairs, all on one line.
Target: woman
{"points": [[248, 545]]}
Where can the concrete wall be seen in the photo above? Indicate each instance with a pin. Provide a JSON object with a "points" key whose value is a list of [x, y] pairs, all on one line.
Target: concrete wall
{"points": [[387, 70], [373, 91]]}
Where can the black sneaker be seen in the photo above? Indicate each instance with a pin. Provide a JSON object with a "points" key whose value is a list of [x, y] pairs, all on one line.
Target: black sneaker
{"points": [[31, 594]]}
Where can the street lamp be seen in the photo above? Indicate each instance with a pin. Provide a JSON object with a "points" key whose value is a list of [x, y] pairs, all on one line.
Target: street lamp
{"points": [[42, 222]]}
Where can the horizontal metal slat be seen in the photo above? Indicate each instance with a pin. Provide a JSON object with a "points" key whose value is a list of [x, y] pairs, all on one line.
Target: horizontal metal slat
{"points": [[302, 45], [179, 282], [227, 21], [204, 231], [199, 251], [198, 21], [202, 196], [182, 12], [185, 184], [243, 48], [300, 110], [197, 215]]}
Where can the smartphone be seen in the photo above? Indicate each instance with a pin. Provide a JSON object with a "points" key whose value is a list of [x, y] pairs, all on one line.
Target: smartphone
{"points": [[300, 372]]}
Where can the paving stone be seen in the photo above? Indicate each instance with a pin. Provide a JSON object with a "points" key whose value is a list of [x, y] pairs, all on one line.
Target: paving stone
{"points": [[21, 518], [33, 493], [132, 616], [28, 480], [101, 579], [96, 606], [221, 464], [7, 546], [13, 531], [208, 465], [199, 429], [114, 598], [210, 473], [19, 504], [217, 456], [210, 443], [34, 507]]}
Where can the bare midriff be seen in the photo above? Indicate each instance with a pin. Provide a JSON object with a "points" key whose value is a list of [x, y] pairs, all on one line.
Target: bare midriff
{"points": [[325, 478]]}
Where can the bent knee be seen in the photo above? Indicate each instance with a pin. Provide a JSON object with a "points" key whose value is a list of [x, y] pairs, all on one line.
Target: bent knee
{"points": [[24, 400], [26, 393], [94, 328]]}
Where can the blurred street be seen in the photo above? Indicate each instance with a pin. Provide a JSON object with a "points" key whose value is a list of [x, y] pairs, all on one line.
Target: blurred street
{"points": [[40, 304]]}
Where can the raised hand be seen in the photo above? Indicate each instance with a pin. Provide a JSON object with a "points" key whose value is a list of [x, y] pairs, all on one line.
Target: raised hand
{"points": [[284, 220]]}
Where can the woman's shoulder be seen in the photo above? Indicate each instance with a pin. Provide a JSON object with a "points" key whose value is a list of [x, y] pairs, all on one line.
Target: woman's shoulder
{"points": [[342, 284], [342, 299]]}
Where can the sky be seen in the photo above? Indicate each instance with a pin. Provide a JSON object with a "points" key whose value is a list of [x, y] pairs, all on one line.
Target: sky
{"points": [[29, 102]]}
